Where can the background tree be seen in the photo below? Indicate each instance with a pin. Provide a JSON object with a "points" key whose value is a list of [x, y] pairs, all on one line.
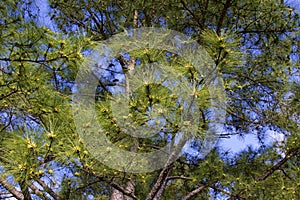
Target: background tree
{"points": [[255, 46]]}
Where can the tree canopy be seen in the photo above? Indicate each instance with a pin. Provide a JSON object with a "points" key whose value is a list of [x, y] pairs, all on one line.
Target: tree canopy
{"points": [[254, 47]]}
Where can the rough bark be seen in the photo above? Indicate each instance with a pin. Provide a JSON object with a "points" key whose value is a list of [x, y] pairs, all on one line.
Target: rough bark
{"points": [[159, 194], [117, 194], [158, 187], [130, 188]]}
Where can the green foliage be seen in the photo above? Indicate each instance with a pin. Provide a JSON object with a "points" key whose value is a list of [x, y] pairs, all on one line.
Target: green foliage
{"points": [[255, 47]]}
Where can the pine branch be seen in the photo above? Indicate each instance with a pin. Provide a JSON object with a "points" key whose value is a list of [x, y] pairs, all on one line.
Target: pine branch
{"points": [[194, 192], [17, 194], [268, 31], [39, 61], [8, 123], [87, 185], [290, 155], [37, 191], [193, 14], [49, 190]]}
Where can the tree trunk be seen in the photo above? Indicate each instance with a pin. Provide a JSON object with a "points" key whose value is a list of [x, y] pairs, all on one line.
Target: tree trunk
{"points": [[130, 185]]}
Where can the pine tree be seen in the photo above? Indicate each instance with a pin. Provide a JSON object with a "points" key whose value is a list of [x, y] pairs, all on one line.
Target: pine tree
{"points": [[254, 46]]}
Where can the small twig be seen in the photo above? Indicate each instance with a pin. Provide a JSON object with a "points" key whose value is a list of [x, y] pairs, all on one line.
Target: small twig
{"points": [[178, 177], [235, 196]]}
